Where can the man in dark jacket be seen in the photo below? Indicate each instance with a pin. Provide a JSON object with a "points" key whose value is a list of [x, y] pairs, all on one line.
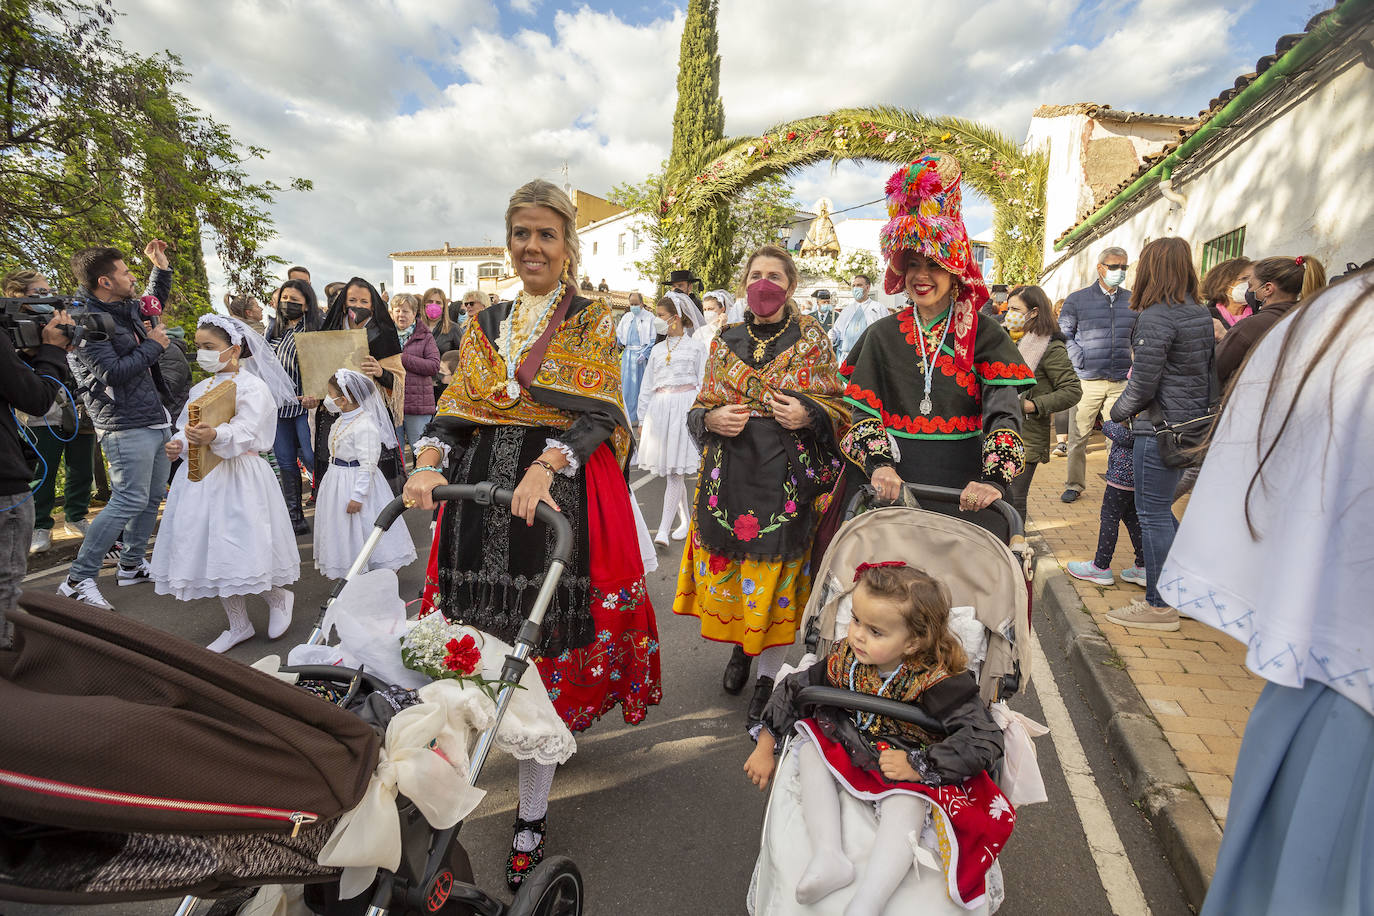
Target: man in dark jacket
{"points": [[1097, 322], [31, 390], [124, 392]]}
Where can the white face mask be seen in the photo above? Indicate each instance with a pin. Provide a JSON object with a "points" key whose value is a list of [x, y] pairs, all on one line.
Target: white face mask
{"points": [[660, 326], [1115, 278], [209, 360], [331, 405], [1238, 291]]}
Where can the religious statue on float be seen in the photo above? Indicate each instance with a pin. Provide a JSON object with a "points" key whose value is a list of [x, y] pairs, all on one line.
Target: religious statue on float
{"points": [[821, 238]]}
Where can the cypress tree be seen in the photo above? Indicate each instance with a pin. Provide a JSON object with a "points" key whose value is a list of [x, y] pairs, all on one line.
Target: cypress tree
{"points": [[698, 122]]}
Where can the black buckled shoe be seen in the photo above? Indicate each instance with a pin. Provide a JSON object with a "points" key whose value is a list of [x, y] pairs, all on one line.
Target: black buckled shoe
{"points": [[736, 671], [520, 863], [763, 689]]}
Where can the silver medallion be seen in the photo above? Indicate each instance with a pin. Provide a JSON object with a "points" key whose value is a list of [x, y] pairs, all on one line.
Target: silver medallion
{"points": [[512, 389], [926, 407]]}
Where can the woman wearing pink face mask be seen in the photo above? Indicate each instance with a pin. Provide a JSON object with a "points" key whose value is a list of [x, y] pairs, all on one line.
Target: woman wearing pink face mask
{"points": [[936, 390], [768, 421]]}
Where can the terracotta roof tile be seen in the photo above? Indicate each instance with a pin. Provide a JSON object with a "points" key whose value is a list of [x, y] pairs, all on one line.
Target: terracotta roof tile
{"points": [[470, 251]]}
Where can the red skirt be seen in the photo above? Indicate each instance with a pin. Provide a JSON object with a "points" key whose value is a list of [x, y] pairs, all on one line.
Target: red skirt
{"points": [[621, 666], [973, 820]]}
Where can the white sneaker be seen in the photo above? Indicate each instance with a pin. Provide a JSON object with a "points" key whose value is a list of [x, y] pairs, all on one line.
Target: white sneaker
{"points": [[78, 528], [85, 591], [40, 541], [141, 573], [230, 638], [280, 601], [661, 539]]}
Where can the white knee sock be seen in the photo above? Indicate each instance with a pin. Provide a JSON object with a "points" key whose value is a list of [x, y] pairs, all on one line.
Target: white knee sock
{"points": [[898, 817], [684, 510], [829, 869], [770, 661], [240, 627], [674, 491], [536, 781]]}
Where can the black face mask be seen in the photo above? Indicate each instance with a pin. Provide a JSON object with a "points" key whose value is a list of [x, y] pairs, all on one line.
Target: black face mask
{"points": [[1252, 300], [360, 316], [292, 310]]}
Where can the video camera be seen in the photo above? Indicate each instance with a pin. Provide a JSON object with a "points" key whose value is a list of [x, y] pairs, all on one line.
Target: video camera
{"points": [[23, 319]]}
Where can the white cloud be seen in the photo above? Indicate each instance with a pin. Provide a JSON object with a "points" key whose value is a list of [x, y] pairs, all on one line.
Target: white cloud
{"points": [[417, 119]]}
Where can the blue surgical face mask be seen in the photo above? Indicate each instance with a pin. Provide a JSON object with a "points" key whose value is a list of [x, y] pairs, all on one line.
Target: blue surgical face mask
{"points": [[636, 309], [1115, 278], [860, 293]]}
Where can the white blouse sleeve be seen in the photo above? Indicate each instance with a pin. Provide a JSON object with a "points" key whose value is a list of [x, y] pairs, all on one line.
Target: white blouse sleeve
{"points": [[647, 385], [179, 435]]}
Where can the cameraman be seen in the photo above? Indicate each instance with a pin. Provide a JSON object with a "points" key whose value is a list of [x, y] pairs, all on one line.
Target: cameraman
{"points": [[25, 389], [125, 395]]}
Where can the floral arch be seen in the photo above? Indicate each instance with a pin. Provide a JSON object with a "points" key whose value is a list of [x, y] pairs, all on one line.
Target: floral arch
{"points": [[993, 164]]}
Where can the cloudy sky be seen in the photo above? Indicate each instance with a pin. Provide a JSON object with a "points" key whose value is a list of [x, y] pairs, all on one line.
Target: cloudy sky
{"points": [[416, 118]]}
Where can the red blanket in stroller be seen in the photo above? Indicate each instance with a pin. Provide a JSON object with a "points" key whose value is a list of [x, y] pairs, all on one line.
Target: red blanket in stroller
{"points": [[972, 820]]}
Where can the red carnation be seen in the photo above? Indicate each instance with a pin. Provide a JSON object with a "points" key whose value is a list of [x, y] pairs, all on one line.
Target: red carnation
{"points": [[463, 655], [717, 564], [746, 527], [791, 135]]}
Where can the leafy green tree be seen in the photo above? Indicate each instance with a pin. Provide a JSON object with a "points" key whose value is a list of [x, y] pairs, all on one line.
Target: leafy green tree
{"points": [[97, 146], [761, 212]]}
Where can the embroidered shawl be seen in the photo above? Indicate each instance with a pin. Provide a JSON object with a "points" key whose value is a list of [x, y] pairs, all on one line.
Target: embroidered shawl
{"points": [[758, 491], [572, 368], [906, 687]]}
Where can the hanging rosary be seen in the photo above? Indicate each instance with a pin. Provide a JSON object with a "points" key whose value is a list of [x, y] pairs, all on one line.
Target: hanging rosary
{"points": [[762, 345], [928, 364]]}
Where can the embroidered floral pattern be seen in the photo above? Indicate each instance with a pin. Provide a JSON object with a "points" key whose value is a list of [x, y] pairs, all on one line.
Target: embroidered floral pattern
{"points": [[1001, 370], [746, 526], [867, 441], [1004, 456], [915, 425]]}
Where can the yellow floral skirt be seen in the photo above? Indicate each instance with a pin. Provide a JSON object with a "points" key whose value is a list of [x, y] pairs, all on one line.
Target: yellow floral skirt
{"points": [[752, 603]]}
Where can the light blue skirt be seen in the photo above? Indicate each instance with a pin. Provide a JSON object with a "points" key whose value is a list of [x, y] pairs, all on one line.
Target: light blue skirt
{"points": [[1300, 828]]}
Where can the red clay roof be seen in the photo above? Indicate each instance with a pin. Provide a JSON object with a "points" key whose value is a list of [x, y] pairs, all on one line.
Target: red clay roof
{"points": [[470, 251]]}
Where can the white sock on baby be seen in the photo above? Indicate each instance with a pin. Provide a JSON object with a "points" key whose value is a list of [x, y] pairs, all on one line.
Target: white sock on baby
{"points": [[899, 816], [829, 869]]}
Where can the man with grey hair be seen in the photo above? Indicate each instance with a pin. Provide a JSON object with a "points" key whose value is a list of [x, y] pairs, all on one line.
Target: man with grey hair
{"points": [[1098, 322]]}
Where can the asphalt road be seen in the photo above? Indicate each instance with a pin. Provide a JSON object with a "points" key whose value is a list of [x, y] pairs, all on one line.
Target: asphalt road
{"points": [[660, 817]]}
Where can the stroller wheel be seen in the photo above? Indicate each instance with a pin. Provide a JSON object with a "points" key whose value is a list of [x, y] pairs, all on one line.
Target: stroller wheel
{"points": [[554, 888]]}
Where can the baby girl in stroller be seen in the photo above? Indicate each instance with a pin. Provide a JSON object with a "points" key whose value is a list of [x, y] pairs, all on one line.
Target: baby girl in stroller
{"points": [[899, 647]]}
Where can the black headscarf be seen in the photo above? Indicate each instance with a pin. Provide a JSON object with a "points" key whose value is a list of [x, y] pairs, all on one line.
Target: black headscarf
{"points": [[382, 339]]}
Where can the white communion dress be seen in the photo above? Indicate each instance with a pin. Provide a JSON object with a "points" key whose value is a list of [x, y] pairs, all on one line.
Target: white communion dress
{"points": [[230, 533], [671, 382], [355, 444]]}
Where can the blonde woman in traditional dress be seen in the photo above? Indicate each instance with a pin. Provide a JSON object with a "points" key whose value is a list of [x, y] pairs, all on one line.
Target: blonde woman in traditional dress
{"points": [[535, 405], [670, 386], [769, 421], [229, 534]]}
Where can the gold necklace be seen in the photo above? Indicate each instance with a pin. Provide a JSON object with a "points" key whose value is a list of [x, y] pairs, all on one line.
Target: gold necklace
{"points": [[761, 345], [669, 348]]}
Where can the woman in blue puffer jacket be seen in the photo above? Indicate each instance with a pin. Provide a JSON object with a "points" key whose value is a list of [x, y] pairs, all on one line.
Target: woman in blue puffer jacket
{"points": [[1171, 381]]}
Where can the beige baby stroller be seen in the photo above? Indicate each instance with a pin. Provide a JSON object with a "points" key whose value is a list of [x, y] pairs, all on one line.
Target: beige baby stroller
{"points": [[987, 585]]}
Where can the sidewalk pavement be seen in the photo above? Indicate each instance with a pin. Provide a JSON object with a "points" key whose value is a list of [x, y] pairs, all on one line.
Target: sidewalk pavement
{"points": [[1190, 688]]}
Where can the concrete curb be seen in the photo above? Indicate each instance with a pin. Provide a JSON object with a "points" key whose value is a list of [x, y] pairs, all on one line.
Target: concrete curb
{"points": [[1156, 781]]}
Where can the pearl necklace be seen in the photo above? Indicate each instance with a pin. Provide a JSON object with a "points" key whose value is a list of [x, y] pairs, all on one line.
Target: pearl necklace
{"points": [[512, 354]]}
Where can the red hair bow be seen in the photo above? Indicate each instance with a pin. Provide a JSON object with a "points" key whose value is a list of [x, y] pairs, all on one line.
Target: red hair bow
{"points": [[865, 567]]}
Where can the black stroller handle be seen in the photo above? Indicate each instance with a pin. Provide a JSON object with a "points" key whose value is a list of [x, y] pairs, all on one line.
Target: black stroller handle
{"points": [[866, 702], [950, 496], [485, 494]]}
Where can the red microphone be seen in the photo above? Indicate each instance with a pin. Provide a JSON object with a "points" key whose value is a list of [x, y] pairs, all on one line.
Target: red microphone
{"points": [[151, 306]]}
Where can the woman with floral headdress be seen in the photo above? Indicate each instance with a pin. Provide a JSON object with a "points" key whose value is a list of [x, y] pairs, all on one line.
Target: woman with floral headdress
{"points": [[935, 390], [535, 406], [769, 420]]}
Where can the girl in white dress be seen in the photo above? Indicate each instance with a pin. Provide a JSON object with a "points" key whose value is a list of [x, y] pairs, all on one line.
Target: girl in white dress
{"points": [[353, 492], [677, 365], [229, 535]]}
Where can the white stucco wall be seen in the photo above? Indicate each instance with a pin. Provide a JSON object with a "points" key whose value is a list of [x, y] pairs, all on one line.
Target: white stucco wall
{"points": [[601, 257], [445, 269], [1301, 183], [1066, 193]]}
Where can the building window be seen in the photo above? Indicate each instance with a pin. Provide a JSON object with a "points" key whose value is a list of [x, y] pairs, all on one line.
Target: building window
{"points": [[620, 245], [1223, 248], [433, 272], [489, 270], [634, 236], [457, 275], [595, 246], [408, 275]]}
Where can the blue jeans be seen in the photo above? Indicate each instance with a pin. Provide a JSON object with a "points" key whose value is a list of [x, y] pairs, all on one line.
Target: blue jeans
{"points": [[1154, 499], [138, 481], [415, 424], [293, 443]]}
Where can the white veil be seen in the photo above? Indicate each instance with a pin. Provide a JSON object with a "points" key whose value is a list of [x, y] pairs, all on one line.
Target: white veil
{"points": [[361, 391], [261, 361], [733, 315], [688, 310]]}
